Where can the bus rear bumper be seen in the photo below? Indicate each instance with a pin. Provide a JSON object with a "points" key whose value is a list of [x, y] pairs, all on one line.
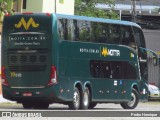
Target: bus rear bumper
{"points": [[48, 94]]}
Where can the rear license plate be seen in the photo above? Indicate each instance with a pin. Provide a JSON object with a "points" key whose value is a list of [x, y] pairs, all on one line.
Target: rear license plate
{"points": [[27, 94]]}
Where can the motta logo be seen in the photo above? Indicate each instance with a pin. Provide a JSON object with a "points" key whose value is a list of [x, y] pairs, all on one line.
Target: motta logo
{"points": [[104, 52], [27, 24], [110, 52]]}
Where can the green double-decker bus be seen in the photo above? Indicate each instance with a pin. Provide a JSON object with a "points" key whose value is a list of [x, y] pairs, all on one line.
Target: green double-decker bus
{"points": [[74, 60]]}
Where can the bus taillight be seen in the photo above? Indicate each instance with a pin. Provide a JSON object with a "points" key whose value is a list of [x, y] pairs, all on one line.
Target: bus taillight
{"points": [[48, 14], [4, 81], [7, 14], [53, 76]]}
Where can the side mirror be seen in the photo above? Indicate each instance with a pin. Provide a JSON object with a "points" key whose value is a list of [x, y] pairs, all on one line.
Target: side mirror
{"points": [[155, 61]]}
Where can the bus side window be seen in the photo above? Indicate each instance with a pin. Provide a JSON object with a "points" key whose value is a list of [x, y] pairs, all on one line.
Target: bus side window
{"points": [[61, 29], [139, 37], [127, 37], [84, 30], [117, 70], [103, 35], [114, 31], [95, 68], [129, 71], [106, 70], [71, 35], [76, 30], [94, 31]]}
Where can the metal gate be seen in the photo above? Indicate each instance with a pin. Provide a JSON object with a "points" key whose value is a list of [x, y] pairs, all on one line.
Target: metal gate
{"points": [[153, 71]]}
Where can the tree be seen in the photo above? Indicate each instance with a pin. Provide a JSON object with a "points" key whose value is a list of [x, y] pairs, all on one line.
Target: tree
{"points": [[6, 7], [88, 8]]}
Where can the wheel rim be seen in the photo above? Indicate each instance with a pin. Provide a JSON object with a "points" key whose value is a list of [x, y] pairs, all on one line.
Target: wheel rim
{"points": [[76, 99], [133, 101], [85, 99]]}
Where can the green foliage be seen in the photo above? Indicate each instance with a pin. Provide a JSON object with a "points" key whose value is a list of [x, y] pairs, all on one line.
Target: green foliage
{"points": [[87, 8], [5, 7]]}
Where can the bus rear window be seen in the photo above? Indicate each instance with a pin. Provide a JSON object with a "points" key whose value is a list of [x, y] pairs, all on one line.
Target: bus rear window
{"points": [[27, 31]]}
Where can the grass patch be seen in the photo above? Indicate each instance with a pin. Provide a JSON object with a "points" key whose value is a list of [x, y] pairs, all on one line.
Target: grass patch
{"points": [[155, 102], [9, 104]]}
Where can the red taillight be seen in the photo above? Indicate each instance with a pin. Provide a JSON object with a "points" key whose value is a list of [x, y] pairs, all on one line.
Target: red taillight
{"points": [[7, 14], [48, 14], [53, 76], [4, 81]]}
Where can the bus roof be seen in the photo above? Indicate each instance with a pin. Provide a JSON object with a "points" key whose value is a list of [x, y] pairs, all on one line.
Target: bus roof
{"points": [[111, 21]]}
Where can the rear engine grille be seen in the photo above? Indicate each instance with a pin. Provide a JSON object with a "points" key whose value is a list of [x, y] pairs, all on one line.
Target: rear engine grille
{"points": [[23, 59], [13, 59], [27, 61], [42, 58]]}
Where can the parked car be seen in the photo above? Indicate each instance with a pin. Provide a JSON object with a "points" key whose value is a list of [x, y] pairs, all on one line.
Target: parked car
{"points": [[154, 92]]}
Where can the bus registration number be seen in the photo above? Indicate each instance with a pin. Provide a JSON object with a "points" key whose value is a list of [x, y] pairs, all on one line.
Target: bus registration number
{"points": [[15, 75], [27, 94]]}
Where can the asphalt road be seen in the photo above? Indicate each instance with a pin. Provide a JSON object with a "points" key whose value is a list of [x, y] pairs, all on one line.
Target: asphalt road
{"points": [[152, 105], [149, 109]]}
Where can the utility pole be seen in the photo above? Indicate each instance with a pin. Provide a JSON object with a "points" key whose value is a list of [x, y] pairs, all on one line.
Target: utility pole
{"points": [[55, 7], [133, 7]]}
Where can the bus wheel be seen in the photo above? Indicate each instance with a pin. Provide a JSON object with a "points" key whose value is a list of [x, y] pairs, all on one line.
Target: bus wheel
{"points": [[92, 105], [27, 105], [75, 104], [134, 101], [85, 99]]}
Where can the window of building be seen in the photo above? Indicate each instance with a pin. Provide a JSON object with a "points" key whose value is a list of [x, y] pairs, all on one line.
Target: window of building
{"points": [[24, 4]]}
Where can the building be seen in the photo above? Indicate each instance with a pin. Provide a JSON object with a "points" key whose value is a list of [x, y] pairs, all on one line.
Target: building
{"points": [[145, 12], [45, 6]]}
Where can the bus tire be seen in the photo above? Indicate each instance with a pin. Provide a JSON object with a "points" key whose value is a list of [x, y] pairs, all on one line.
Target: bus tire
{"points": [[92, 105], [133, 103], [85, 99], [27, 105], [75, 104]]}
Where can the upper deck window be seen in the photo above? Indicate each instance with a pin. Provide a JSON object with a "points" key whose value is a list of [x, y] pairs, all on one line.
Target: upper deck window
{"points": [[97, 32], [139, 37]]}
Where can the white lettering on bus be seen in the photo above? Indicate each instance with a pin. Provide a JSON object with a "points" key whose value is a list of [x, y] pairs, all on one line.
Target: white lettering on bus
{"points": [[86, 50], [14, 38], [113, 52]]}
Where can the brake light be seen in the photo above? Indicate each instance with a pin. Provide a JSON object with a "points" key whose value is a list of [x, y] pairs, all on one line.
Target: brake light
{"points": [[4, 81], [7, 14], [53, 76], [48, 14]]}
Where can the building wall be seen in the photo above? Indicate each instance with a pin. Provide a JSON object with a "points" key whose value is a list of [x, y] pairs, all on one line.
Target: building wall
{"points": [[66, 7], [48, 6], [34, 6], [18, 6]]}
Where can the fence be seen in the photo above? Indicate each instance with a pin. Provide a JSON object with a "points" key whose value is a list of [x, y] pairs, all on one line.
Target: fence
{"points": [[153, 71]]}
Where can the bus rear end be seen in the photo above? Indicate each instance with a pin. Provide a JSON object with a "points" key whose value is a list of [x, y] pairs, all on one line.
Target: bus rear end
{"points": [[27, 65]]}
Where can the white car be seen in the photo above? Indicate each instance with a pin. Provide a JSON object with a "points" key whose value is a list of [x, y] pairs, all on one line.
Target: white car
{"points": [[154, 91]]}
